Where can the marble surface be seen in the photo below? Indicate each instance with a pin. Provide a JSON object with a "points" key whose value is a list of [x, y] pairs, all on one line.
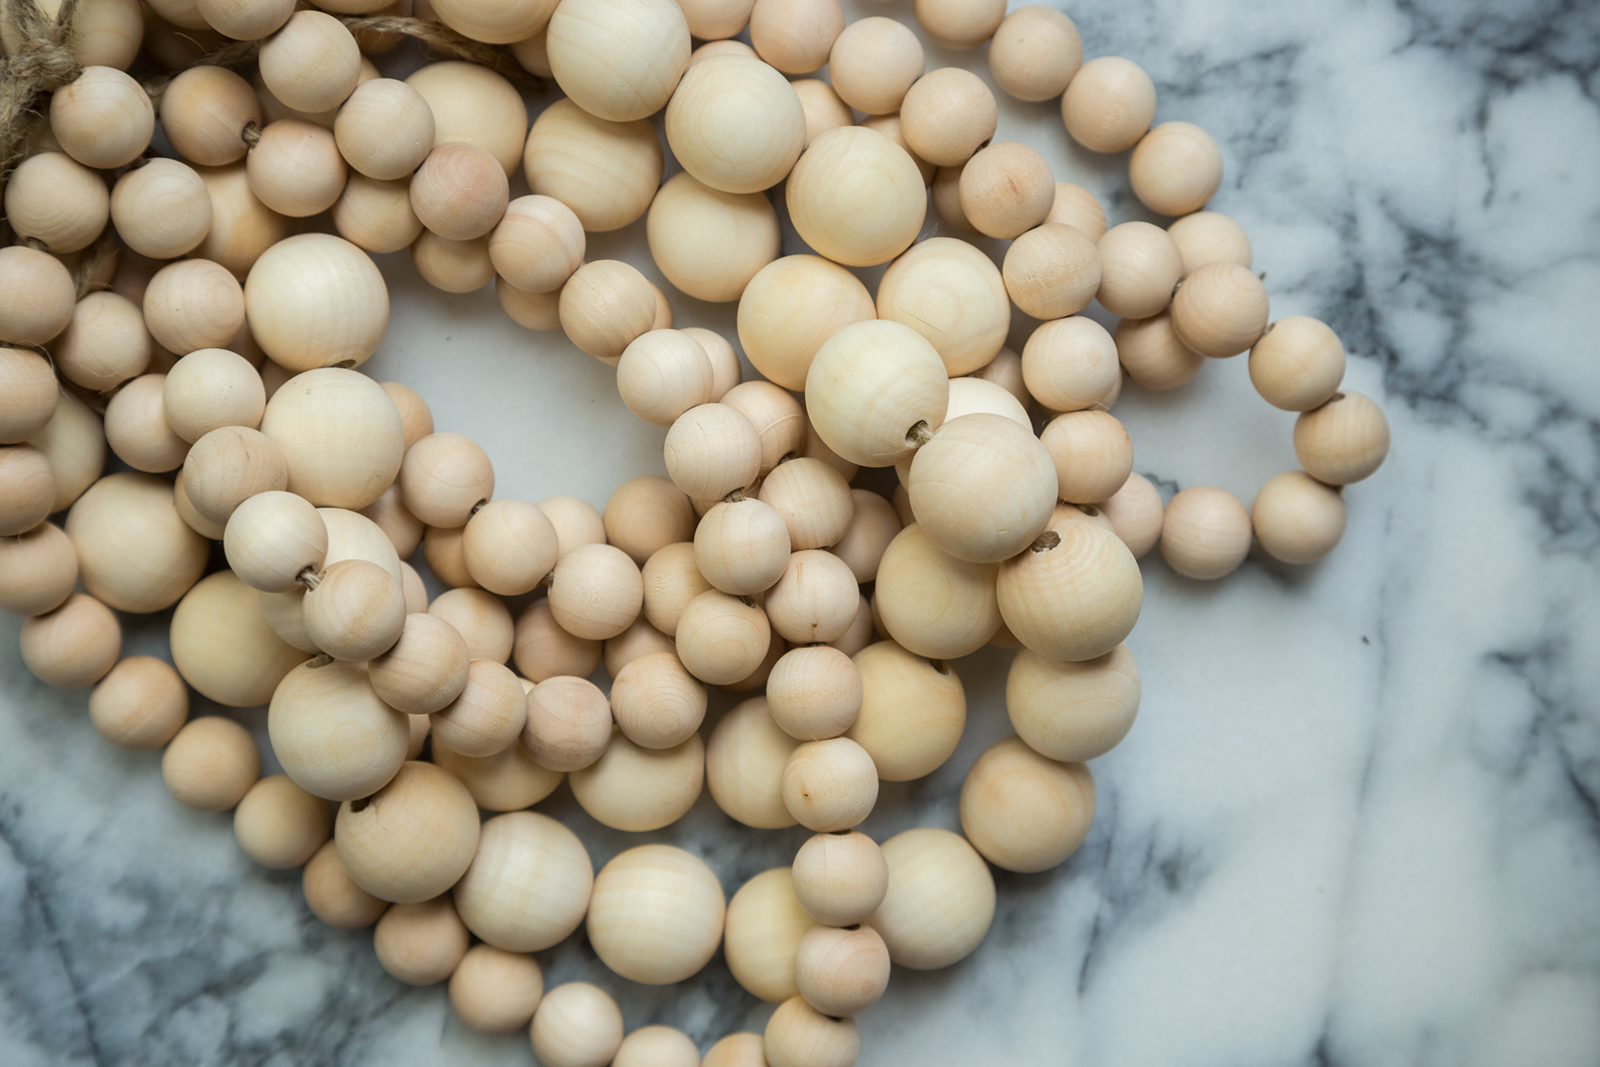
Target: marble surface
{"points": [[1356, 822]]}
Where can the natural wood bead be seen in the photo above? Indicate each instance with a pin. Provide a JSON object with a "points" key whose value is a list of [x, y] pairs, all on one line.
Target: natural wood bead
{"points": [[822, 107], [712, 450], [639, 789], [940, 900], [1069, 364], [873, 62], [856, 197], [946, 115], [618, 59], [495, 992], [482, 620], [333, 897], [657, 1046], [538, 244], [735, 124], [203, 111], [228, 466], [444, 476], [756, 680], [1072, 712], [568, 725], [764, 926], [745, 758], [105, 343], [709, 243], [312, 63], [743, 1049], [576, 1025], [376, 216], [425, 670], [279, 825], [242, 227], [1136, 514], [814, 601], [332, 733], [245, 21], [814, 693], [662, 374], [714, 20], [528, 884], [74, 442], [193, 304], [605, 172], [505, 22], [1074, 595], [531, 53], [1092, 453], [354, 536], [830, 785], [795, 36], [73, 645], [1297, 519], [413, 838], [637, 641], [1153, 355], [211, 764], [1297, 364], [722, 639], [385, 129], [1077, 207], [960, 23], [777, 416], [38, 570], [1006, 189], [726, 370], [137, 430], [104, 32], [840, 878], [873, 525], [1210, 237], [223, 645], [596, 592], [315, 300], [544, 650], [1005, 370], [671, 579], [459, 192], [1109, 104], [1205, 533], [443, 549], [1344, 440], [1035, 53], [604, 306], [28, 392], [134, 552], [103, 119], [952, 294], [791, 307], [415, 418], [53, 198], [912, 712], [1024, 812], [509, 546], [295, 168], [983, 488], [452, 266], [576, 522], [1139, 266], [656, 914], [36, 295], [1175, 169], [474, 104], [932, 603], [421, 943], [798, 1035], [1052, 271], [355, 611], [812, 499], [210, 389], [507, 781], [1219, 310], [656, 702], [875, 391], [842, 973], [160, 210]]}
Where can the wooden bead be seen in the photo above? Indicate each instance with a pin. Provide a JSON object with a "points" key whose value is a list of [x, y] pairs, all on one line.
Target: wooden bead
{"points": [[1024, 812], [713, 450], [312, 63], [1205, 533], [134, 552], [228, 466], [1139, 266], [1077, 207], [830, 785], [538, 244], [223, 646], [743, 1049], [912, 712], [509, 547], [53, 198], [714, 20], [244, 21], [744, 767], [1210, 237], [656, 914], [1092, 453], [568, 725], [444, 476], [800, 1036], [459, 192], [638, 789], [983, 488], [452, 266], [1297, 364], [160, 210], [1153, 355], [1219, 310], [1069, 364], [28, 392], [37, 300], [779, 419], [355, 611], [873, 525], [1006, 189], [722, 639], [940, 900], [1175, 169], [873, 62], [425, 670], [795, 36], [1136, 514], [442, 548], [483, 622], [841, 973], [531, 53], [1035, 53], [1297, 519], [1343, 441], [932, 603], [856, 197], [840, 878], [474, 104], [315, 300], [637, 641], [210, 389], [576, 522], [544, 650], [421, 943], [1074, 595], [376, 216], [814, 693], [1052, 271], [75, 444], [618, 59], [764, 926], [657, 1046], [498, 23], [709, 243], [822, 107], [721, 48], [726, 370], [507, 781], [339, 434], [332, 734], [604, 306], [203, 111], [1109, 104], [576, 1025], [671, 579], [193, 304], [528, 884], [605, 172], [103, 119], [137, 430], [38, 570], [812, 499], [814, 601], [952, 294], [735, 124], [385, 129], [354, 536], [74, 645], [279, 825], [947, 115], [105, 344], [960, 23], [596, 592], [662, 374], [791, 307], [656, 702], [211, 764], [333, 897], [295, 169], [1072, 712], [412, 839], [495, 992], [874, 389]]}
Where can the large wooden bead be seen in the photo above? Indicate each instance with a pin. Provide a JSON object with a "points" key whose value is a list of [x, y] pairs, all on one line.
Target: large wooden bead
{"points": [[873, 62], [36, 294], [656, 702], [735, 124], [1109, 105], [160, 210], [459, 193], [137, 430], [482, 620], [569, 723], [662, 374], [671, 579], [333, 897], [940, 900], [385, 130], [792, 306], [28, 391], [1136, 514], [1006, 189], [204, 111], [509, 546], [193, 304], [74, 442], [932, 603], [710, 243], [1344, 440], [280, 825], [38, 569], [312, 64], [1175, 169], [813, 500], [542, 649], [830, 785], [1297, 364], [1092, 453], [355, 611], [842, 973], [814, 602], [1070, 364], [1139, 266], [228, 466], [875, 391], [745, 759], [1052, 271], [376, 216], [223, 646], [315, 300], [657, 1046], [538, 244], [507, 781], [1298, 519], [134, 552], [28, 487], [712, 450], [295, 168], [331, 732], [795, 36], [952, 294], [340, 435], [494, 991], [105, 344], [840, 878], [1206, 533], [656, 914], [505, 22], [618, 59], [412, 839], [912, 712], [54, 199], [640, 789], [1220, 310], [798, 1035], [140, 705], [209, 389], [1210, 237], [814, 693], [1153, 355], [1072, 712], [605, 305], [421, 943], [73, 645], [722, 639], [1075, 594], [1024, 812], [354, 536], [856, 197], [472, 103], [528, 885], [103, 119], [947, 115], [596, 592], [605, 172], [576, 1025], [425, 670], [764, 926], [211, 764], [983, 488]]}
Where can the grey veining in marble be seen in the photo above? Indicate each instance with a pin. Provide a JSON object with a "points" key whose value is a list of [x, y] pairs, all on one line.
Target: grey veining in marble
{"points": [[1358, 821]]}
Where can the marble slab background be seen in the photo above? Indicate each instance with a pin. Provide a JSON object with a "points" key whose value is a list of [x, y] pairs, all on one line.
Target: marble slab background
{"points": [[1357, 821]]}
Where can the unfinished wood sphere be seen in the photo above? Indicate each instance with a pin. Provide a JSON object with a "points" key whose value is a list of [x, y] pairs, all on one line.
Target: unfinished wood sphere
{"points": [[385, 130], [569, 723], [741, 547], [37, 300], [193, 304], [160, 210], [1024, 812], [657, 1046], [830, 785], [710, 243], [472, 103], [596, 592], [1297, 364], [134, 552], [842, 973], [715, 20], [947, 115], [932, 603], [339, 434], [1035, 53], [103, 119], [813, 500], [1136, 514], [618, 59], [952, 294], [137, 430], [722, 639], [1006, 189], [105, 344], [1219, 310], [875, 390], [528, 885], [604, 306], [1210, 237], [1077, 207], [1092, 454], [745, 759], [209, 389], [1153, 355], [452, 266], [333, 897], [712, 450], [764, 926], [656, 702], [1072, 712], [228, 466], [795, 36], [1075, 594], [73, 645], [735, 124], [777, 416], [912, 712], [312, 63], [815, 600], [1139, 266], [355, 611], [873, 62], [54, 199], [211, 764], [1070, 364], [376, 215], [509, 546], [856, 197], [38, 569], [425, 670], [483, 622], [412, 839], [295, 168], [74, 442], [726, 370], [331, 732], [140, 704], [504, 22], [743, 1049], [420, 943], [1297, 519], [223, 646], [960, 23], [1343, 441], [671, 579], [538, 244], [798, 1035], [1052, 271], [494, 991], [576, 1025], [873, 525], [791, 306], [542, 649], [204, 111], [279, 825], [814, 693], [507, 781], [983, 488], [656, 914], [444, 477], [605, 172], [315, 300], [940, 900], [1206, 533], [639, 789], [662, 374], [244, 21], [840, 878], [1175, 169], [1109, 104], [28, 391], [459, 192]]}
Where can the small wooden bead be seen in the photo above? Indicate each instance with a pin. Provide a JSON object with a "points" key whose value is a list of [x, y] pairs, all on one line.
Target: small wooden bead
{"points": [[1219, 310], [657, 1046], [637, 641], [528, 883], [203, 112], [28, 392], [38, 570], [1297, 364], [932, 603], [140, 705], [656, 702], [74, 442], [355, 611], [459, 192], [722, 639], [483, 622], [798, 1035], [912, 712], [37, 300], [425, 670], [376, 216], [1072, 712], [534, 58], [743, 1049], [1344, 440], [333, 897], [1136, 514], [496, 992], [1139, 266], [1206, 533], [509, 546], [160, 210], [211, 764], [242, 228], [413, 838], [576, 522], [210, 389], [1153, 355], [443, 549], [134, 552], [1077, 207], [671, 579], [385, 129], [709, 243], [315, 300], [444, 476], [295, 168], [842, 973], [712, 450], [193, 304], [874, 389], [1035, 53], [1069, 364], [1175, 169], [53, 198], [856, 197], [940, 900], [791, 307], [830, 785], [596, 592], [735, 124], [605, 172], [568, 725], [715, 20], [544, 650], [137, 429], [814, 601], [960, 23], [452, 266], [618, 59], [74, 645], [245, 21], [822, 107], [947, 115], [1106, 592], [1210, 237], [983, 488], [840, 878], [764, 926], [873, 525], [1109, 104], [1092, 453], [873, 62], [604, 306], [312, 63], [814, 693], [538, 244], [1297, 519], [228, 466], [500, 23], [812, 499], [745, 758], [421, 943], [952, 294], [656, 914], [795, 36], [279, 825], [662, 374], [576, 1025], [331, 732], [1052, 271], [640, 789], [777, 416], [1024, 812], [103, 119], [1006, 189], [354, 536], [474, 104]]}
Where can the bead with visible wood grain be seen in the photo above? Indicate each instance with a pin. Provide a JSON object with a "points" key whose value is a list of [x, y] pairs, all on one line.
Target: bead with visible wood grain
{"points": [[228, 466], [713, 450], [1344, 440], [160, 210], [983, 488], [28, 391], [244, 20], [814, 601], [932, 603], [656, 702], [671, 578], [940, 899], [764, 926], [1069, 364], [1175, 168], [193, 304], [38, 570], [459, 192], [1153, 354], [333, 897], [474, 104], [842, 973], [538, 244], [274, 538], [1092, 454], [385, 129], [211, 764], [873, 62], [798, 1035], [856, 197], [1072, 712], [876, 391], [482, 620], [596, 592], [952, 294], [745, 758], [315, 300], [1206, 533], [103, 119], [912, 711], [412, 839], [1109, 105], [210, 389], [722, 639], [105, 343], [662, 374], [1210, 237], [36, 293], [840, 878], [73, 645], [295, 168], [495, 992], [947, 115], [639, 640], [1052, 271], [452, 266], [791, 307], [376, 216], [1136, 514], [1024, 812], [52, 198], [1074, 595], [421, 943], [576, 1025], [1035, 52], [509, 546], [134, 552], [204, 111], [618, 59], [604, 306], [1219, 310], [355, 611], [444, 477], [1139, 266], [1298, 519], [777, 416], [542, 649], [528, 883], [709, 243], [1297, 364], [813, 500], [656, 914], [279, 825], [136, 427], [830, 785], [140, 705], [606, 172], [312, 64], [1006, 189], [795, 36], [814, 693], [332, 734], [568, 725], [735, 124], [425, 670]]}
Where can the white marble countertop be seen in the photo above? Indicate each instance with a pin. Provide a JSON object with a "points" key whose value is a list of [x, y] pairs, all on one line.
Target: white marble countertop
{"points": [[1356, 822]]}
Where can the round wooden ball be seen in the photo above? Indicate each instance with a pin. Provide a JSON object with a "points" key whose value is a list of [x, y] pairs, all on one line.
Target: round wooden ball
{"points": [[873, 525], [38, 570], [385, 129], [764, 926], [73, 645], [1024, 812], [244, 21], [509, 546], [482, 620], [947, 115], [37, 300], [710, 243], [604, 306], [657, 1046], [813, 500], [1219, 310], [726, 371], [1006, 189], [735, 124], [134, 552], [1152, 353], [656, 914], [596, 592], [1092, 453], [228, 466], [874, 389], [499, 23], [814, 693], [1175, 168], [193, 304], [1298, 519], [873, 62], [1344, 440], [1035, 52], [743, 1049], [472, 103], [52, 198], [411, 840], [640, 789], [814, 602], [960, 23], [74, 442], [656, 702], [618, 59], [421, 943], [1072, 712], [105, 344], [723, 48], [538, 244], [137, 430], [354, 536], [795, 36], [1077, 207], [425, 670], [1106, 592], [830, 785], [376, 216], [1052, 271], [210, 764], [1109, 104], [983, 488], [662, 374], [606, 172], [444, 477], [840, 878], [1210, 237], [745, 759], [940, 899], [842, 973], [1297, 364], [1206, 533], [279, 825], [333, 897], [452, 266], [722, 639], [1070, 364], [576, 1025], [295, 168], [952, 294], [507, 781], [528, 885], [203, 111], [712, 450], [671, 579], [798, 1035], [569, 723], [103, 119], [912, 712], [161, 210], [791, 306], [339, 434], [541, 649], [856, 197], [355, 611], [28, 391], [315, 300], [273, 538], [1136, 514], [459, 192], [639, 640], [209, 389], [223, 646], [312, 64], [331, 732], [415, 418], [494, 991], [1139, 266], [932, 603]]}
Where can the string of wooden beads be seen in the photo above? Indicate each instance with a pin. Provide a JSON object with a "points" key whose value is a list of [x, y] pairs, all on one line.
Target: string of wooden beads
{"points": [[223, 349]]}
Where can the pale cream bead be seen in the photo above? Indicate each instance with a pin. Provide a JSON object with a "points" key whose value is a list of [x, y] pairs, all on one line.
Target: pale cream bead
{"points": [[444, 478], [764, 926], [1153, 355], [743, 1049], [726, 370], [596, 592], [940, 900], [952, 294], [813, 500], [576, 522], [228, 466], [1139, 266], [333, 897], [1092, 453], [856, 197], [840, 878], [498, 23], [413, 838], [1206, 533], [209, 389], [483, 621], [488, 715], [494, 991], [509, 546], [160, 210], [1210, 237], [814, 693], [822, 107], [605, 305], [1345, 440], [424, 670], [538, 244], [459, 192], [1069, 364], [605, 172], [1175, 168], [193, 304], [376, 216], [1073, 712], [662, 374], [421, 943], [312, 63], [745, 760], [36, 299], [1136, 513], [104, 344], [204, 111], [795, 36], [472, 103], [242, 20], [912, 711], [1219, 310], [710, 243], [1077, 207], [798, 1035], [134, 552], [791, 307], [1297, 364], [671, 578], [657, 1046], [75, 444], [507, 781], [1006, 189], [735, 124], [315, 300], [777, 416], [714, 20], [983, 488], [385, 129], [52, 198], [1109, 104], [873, 525], [656, 702], [542, 649], [639, 640], [38, 570], [140, 705], [656, 914], [569, 723], [223, 646], [442, 548], [404, 529], [528, 884], [331, 732], [889, 126], [842, 973], [947, 115], [576, 1025], [932, 603], [73, 645], [28, 392], [452, 266], [618, 59], [713, 450], [137, 430], [1024, 812], [1052, 271], [873, 62], [1107, 591], [103, 119], [1035, 52], [830, 785], [1297, 519], [531, 53], [279, 825], [295, 168], [873, 388], [639, 789], [722, 639], [814, 602], [211, 764]]}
